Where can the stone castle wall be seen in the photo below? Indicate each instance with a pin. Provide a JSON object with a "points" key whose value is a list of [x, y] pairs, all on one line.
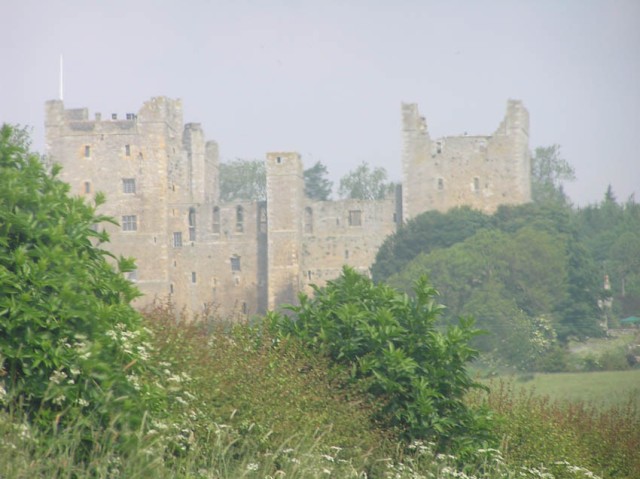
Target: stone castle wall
{"points": [[161, 181]]}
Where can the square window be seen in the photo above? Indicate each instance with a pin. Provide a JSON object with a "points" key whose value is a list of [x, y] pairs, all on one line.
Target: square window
{"points": [[177, 239], [129, 223], [355, 218], [129, 185]]}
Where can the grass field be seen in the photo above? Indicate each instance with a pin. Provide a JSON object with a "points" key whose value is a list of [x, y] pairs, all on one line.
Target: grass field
{"points": [[607, 388]]}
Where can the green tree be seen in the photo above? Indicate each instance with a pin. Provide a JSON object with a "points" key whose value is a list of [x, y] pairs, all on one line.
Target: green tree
{"points": [[548, 171], [70, 342], [365, 183], [424, 233], [243, 180], [316, 184], [414, 372]]}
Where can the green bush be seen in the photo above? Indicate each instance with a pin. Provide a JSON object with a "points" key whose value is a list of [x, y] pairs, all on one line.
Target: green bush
{"points": [[70, 343], [413, 373]]}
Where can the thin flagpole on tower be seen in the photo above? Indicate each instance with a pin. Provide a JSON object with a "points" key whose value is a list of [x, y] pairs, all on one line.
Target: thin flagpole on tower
{"points": [[61, 79]]}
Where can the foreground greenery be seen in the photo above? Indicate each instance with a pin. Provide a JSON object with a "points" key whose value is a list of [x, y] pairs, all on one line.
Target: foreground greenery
{"points": [[359, 381]]}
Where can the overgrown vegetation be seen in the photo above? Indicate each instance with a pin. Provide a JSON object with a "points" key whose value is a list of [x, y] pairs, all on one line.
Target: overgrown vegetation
{"points": [[414, 374], [362, 385], [532, 275]]}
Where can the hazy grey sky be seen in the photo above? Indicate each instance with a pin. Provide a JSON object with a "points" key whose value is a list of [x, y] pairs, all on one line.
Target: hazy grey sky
{"points": [[326, 78]]}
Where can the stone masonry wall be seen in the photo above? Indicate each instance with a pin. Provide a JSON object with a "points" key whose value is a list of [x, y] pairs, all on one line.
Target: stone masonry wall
{"points": [[161, 180]]}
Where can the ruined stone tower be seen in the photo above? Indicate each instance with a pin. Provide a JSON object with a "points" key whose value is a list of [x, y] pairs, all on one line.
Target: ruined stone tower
{"points": [[483, 172]]}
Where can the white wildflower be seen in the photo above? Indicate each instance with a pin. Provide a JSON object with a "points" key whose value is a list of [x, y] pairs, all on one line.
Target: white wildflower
{"points": [[57, 377], [252, 466]]}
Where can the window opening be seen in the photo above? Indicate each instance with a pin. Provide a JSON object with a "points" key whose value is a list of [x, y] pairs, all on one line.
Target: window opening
{"points": [[129, 223], [192, 224], [262, 219], [127, 150], [355, 218], [87, 151], [440, 184], [235, 263], [476, 184], [216, 219], [239, 219], [193, 276], [177, 239], [87, 187], [129, 185]]}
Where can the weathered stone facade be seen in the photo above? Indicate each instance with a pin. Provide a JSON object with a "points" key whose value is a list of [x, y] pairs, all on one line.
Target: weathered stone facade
{"points": [[161, 182]]}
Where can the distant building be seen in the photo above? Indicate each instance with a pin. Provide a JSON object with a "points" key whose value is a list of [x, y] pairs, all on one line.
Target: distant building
{"points": [[161, 181]]}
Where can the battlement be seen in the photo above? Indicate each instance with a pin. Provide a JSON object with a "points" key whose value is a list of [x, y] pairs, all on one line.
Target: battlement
{"points": [[156, 110]]}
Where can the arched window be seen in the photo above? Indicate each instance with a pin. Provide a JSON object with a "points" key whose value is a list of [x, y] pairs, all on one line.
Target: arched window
{"points": [[192, 224], [262, 218], [216, 219], [239, 219], [308, 220]]}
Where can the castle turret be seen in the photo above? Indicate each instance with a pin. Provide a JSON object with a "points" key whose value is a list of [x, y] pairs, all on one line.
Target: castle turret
{"points": [[285, 196], [416, 145]]}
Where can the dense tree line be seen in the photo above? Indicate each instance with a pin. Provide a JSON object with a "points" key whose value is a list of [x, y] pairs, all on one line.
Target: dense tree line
{"points": [[532, 275]]}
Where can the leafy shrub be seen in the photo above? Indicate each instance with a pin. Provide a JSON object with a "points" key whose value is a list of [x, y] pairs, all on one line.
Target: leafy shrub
{"points": [[414, 373], [70, 343]]}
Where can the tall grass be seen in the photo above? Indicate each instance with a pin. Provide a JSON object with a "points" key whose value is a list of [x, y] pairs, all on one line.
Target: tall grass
{"points": [[245, 409]]}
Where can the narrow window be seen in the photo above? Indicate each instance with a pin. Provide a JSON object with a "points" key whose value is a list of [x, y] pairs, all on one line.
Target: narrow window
{"points": [[87, 187], [235, 263], [127, 150], [129, 185], [87, 151], [308, 220], [440, 184], [476, 184], [192, 224], [129, 223], [239, 219], [355, 218], [278, 160], [216, 219], [171, 288], [244, 308], [193, 276], [346, 254], [262, 218], [177, 239]]}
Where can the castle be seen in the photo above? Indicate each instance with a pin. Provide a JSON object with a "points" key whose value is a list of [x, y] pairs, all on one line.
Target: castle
{"points": [[161, 181]]}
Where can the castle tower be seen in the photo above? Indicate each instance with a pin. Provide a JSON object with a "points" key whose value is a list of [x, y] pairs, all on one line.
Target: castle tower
{"points": [[479, 171], [130, 158], [416, 148], [285, 207]]}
